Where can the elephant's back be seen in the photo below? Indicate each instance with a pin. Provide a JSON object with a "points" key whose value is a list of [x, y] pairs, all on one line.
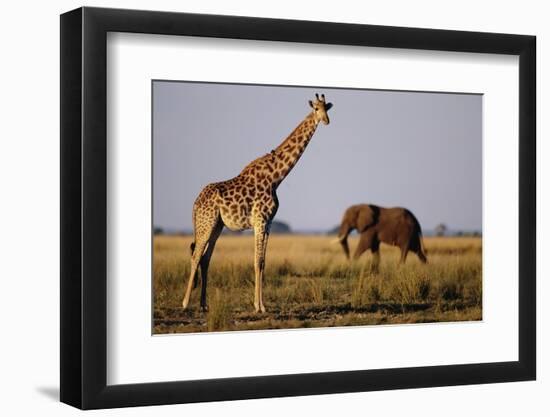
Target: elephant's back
{"points": [[397, 215], [396, 221]]}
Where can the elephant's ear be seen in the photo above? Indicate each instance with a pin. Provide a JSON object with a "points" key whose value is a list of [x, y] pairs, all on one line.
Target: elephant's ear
{"points": [[365, 217]]}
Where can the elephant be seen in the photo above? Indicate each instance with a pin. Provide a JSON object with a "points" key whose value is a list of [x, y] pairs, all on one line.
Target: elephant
{"points": [[395, 226]]}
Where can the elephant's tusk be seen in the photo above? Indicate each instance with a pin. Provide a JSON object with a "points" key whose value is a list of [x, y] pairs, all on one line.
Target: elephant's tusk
{"points": [[337, 240]]}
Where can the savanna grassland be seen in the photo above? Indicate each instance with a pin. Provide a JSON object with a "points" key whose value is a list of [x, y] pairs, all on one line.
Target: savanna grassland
{"points": [[309, 283]]}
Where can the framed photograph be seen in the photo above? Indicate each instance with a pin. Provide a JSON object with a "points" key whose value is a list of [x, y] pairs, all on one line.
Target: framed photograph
{"points": [[257, 208]]}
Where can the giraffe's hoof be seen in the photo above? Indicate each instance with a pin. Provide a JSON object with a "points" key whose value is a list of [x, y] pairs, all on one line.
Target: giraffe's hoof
{"points": [[204, 309], [184, 304], [260, 309]]}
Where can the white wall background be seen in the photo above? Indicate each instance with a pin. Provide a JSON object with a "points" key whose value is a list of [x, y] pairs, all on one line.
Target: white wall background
{"points": [[29, 175]]}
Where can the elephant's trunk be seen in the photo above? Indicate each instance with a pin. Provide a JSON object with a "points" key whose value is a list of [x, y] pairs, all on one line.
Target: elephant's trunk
{"points": [[343, 233], [345, 246]]}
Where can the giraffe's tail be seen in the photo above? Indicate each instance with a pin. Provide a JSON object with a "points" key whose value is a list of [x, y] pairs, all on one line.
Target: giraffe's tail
{"points": [[193, 215]]}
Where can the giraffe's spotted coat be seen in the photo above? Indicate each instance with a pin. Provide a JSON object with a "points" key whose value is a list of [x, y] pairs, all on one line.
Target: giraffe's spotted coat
{"points": [[249, 201]]}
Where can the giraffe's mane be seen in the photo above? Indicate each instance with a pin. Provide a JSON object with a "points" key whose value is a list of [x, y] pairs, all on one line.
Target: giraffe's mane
{"points": [[270, 154], [256, 161]]}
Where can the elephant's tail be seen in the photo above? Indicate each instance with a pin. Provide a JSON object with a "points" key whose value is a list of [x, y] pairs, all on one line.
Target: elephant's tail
{"points": [[418, 238], [422, 248], [421, 240]]}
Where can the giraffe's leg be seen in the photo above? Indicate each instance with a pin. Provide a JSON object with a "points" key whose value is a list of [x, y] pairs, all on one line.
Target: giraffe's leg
{"points": [[261, 234], [195, 259], [196, 281], [202, 236], [205, 261]]}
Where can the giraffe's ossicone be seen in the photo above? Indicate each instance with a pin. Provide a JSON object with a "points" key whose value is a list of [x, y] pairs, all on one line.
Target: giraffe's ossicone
{"points": [[248, 201]]}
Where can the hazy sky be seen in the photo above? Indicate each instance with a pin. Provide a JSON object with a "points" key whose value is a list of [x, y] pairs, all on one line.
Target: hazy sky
{"points": [[411, 149]]}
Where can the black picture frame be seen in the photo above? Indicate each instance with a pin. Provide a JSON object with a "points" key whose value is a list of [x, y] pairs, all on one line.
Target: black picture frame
{"points": [[84, 207]]}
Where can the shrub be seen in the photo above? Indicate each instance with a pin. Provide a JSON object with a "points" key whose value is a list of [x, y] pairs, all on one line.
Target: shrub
{"points": [[219, 314], [450, 290]]}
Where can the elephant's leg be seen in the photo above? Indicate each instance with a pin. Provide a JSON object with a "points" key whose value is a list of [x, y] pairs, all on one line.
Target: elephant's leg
{"points": [[404, 252], [365, 242], [205, 261], [375, 249]]}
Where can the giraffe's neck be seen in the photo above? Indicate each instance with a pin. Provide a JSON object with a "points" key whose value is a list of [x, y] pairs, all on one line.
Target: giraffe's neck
{"points": [[287, 154]]}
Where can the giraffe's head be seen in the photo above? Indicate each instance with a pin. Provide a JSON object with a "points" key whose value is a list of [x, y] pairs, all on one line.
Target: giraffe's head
{"points": [[320, 109]]}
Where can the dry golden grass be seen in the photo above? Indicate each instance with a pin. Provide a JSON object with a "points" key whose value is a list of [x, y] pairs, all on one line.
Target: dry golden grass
{"points": [[309, 283]]}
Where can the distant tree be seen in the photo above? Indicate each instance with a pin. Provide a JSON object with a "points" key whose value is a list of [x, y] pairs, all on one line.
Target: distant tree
{"points": [[280, 227], [277, 227], [158, 230], [334, 230], [228, 231], [440, 229]]}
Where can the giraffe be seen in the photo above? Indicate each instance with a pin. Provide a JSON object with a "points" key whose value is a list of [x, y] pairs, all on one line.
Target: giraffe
{"points": [[248, 201]]}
